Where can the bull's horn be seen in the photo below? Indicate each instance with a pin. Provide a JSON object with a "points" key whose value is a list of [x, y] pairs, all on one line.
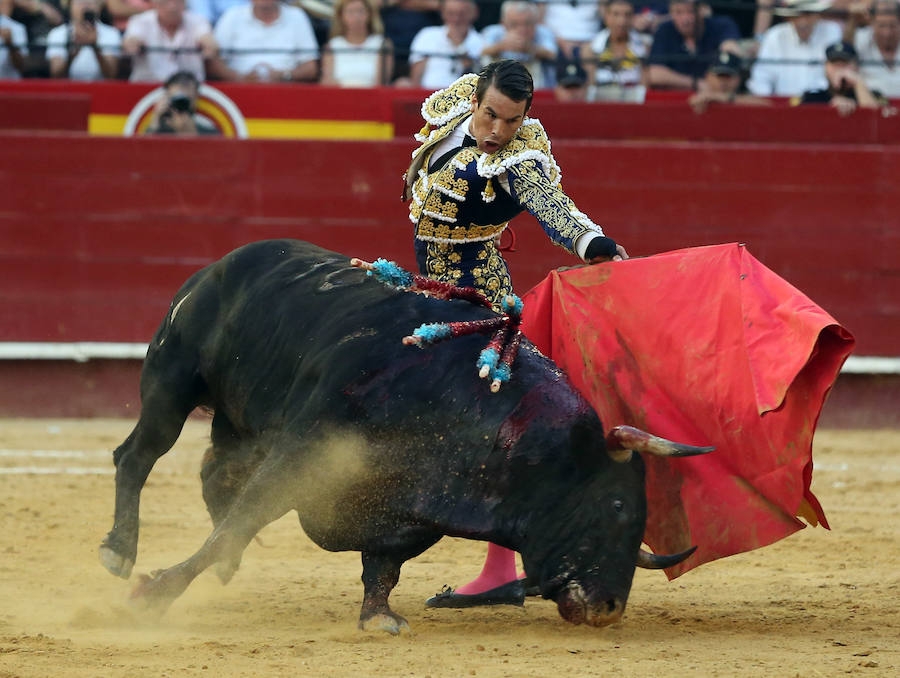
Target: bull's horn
{"points": [[621, 440], [652, 561]]}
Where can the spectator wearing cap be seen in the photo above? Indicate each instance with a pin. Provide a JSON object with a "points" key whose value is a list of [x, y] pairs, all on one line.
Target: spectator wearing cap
{"points": [[877, 44], [722, 84], [520, 37], [684, 46], [846, 89], [614, 60], [571, 79], [789, 61]]}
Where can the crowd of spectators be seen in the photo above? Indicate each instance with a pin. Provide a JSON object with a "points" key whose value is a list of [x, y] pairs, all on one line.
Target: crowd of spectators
{"points": [[582, 49]]}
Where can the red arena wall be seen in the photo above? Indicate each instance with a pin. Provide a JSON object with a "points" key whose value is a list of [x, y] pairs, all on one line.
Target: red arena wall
{"points": [[97, 233]]}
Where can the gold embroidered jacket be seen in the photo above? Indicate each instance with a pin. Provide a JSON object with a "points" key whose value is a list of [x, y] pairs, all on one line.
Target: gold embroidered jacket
{"points": [[462, 202]]}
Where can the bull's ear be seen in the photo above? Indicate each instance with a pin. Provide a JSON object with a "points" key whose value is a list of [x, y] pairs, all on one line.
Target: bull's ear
{"points": [[586, 440]]}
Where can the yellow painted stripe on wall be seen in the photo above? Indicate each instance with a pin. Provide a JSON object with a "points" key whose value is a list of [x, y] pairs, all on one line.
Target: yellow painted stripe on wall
{"points": [[318, 129], [273, 128], [103, 123]]}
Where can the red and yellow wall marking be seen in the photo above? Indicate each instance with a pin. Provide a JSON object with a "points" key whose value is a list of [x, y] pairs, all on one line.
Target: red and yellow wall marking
{"points": [[239, 110]]}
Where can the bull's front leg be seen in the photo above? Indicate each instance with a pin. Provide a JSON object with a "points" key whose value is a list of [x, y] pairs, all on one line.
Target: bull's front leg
{"points": [[134, 459], [380, 575]]}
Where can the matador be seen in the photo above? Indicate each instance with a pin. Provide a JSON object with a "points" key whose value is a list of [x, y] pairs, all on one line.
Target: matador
{"points": [[481, 162]]}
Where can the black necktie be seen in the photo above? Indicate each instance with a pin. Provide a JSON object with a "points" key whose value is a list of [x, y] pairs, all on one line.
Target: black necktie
{"points": [[444, 159]]}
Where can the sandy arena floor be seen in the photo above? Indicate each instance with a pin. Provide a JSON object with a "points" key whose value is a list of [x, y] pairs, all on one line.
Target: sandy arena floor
{"points": [[819, 603]]}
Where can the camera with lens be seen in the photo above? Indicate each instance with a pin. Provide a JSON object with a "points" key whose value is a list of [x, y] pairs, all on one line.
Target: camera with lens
{"points": [[180, 103], [89, 16]]}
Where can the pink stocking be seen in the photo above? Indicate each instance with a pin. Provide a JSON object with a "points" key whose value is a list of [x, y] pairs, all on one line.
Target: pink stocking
{"points": [[499, 568]]}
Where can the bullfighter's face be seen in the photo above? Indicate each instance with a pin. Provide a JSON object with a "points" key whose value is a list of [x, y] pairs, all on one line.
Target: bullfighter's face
{"points": [[495, 119]]}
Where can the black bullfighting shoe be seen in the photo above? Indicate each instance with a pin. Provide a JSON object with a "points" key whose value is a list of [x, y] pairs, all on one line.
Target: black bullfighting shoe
{"points": [[511, 593]]}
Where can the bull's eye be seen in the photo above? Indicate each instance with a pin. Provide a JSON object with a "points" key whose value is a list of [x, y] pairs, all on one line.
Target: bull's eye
{"points": [[618, 505]]}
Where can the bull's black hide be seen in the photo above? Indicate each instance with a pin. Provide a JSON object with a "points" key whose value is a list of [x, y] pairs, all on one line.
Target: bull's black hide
{"points": [[380, 447]]}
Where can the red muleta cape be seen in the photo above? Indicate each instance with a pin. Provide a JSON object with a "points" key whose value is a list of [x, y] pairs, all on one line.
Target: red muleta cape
{"points": [[704, 346]]}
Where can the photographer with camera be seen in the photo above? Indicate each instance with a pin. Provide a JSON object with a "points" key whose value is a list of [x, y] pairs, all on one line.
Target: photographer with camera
{"points": [[176, 111], [84, 48]]}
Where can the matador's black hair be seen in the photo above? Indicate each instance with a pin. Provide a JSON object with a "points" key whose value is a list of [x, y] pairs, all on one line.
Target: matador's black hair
{"points": [[510, 77]]}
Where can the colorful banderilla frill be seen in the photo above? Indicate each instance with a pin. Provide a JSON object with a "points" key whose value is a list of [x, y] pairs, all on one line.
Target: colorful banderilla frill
{"points": [[495, 361]]}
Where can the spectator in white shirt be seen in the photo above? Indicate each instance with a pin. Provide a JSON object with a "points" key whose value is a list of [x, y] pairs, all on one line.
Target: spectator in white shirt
{"points": [[13, 48], [877, 45], [441, 54], [266, 41], [357, 54], [573, 22], [85, 48], [519, 36], [167, 39], [790, 59]]}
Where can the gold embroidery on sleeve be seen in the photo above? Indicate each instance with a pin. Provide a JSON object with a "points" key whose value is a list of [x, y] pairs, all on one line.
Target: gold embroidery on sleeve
{"points": [[550, 206]]}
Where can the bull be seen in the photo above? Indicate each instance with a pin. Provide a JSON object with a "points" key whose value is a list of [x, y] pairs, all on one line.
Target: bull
{"points": [[379, 447]]}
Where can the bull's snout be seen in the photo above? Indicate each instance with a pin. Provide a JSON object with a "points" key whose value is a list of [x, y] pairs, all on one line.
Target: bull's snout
{"points": [[578, 607]]}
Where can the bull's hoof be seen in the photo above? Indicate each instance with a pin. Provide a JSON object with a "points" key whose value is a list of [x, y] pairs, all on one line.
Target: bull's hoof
{"points": [[225, 570], [116, 564], [146, 597], [392, 623]]}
